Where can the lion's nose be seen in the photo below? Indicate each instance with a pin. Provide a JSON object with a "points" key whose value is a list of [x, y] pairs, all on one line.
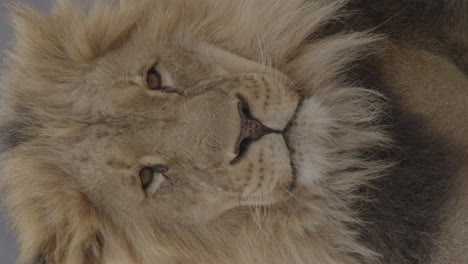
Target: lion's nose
{"points": [[251, 129]]}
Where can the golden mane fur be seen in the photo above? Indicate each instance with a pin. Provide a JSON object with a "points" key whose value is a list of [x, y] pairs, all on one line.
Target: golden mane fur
{"points": [[64, 213]]}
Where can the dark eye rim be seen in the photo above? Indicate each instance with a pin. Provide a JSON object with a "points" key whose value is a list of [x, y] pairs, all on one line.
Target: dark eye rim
{"points": [[141, 175], [153, 70], [156, 169], [161, 87]]}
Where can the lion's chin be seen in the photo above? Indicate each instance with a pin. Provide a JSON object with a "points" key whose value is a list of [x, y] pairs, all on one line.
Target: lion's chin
{"points": [[306, 137]]}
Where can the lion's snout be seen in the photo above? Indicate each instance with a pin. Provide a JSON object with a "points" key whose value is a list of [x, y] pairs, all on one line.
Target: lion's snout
{"points": [[251, 129]]}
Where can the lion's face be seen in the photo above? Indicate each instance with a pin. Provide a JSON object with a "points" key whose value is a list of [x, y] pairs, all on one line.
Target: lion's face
{"points": [[185, 131], [181, 134]]}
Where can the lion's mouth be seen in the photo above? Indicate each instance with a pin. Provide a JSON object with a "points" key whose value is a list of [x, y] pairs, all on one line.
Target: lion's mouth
{"points": [[287, 130], [286, 136], [251, 129]]}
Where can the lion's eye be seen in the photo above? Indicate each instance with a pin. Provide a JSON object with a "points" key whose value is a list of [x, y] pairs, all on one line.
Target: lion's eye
{"points": [[153, 79], [146, 177]]}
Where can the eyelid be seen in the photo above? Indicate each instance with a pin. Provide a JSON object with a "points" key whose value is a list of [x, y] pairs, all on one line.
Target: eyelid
{"points": [[159, 179], [166, 78], [153, 77], [159, 168], [139, 77], [142, 173], [147, 67]]}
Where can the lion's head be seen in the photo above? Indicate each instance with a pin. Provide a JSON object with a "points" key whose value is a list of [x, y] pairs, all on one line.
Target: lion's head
{"points": [[161, 114], [181, 132]]}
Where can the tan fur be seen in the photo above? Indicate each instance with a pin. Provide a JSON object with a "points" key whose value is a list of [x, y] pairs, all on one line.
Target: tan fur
{"points": [[429, 73], [75, 98], [436, 90]]}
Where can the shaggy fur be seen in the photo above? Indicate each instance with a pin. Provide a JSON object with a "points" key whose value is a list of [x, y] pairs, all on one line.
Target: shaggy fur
{"points": [[367, 170]]}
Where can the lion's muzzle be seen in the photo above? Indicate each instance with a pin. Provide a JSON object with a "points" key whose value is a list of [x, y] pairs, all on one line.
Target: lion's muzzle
{"points": [[251, 129]]}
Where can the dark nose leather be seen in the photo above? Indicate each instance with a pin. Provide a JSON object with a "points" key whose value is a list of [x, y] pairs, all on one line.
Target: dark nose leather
{"points": [[251, 128]]}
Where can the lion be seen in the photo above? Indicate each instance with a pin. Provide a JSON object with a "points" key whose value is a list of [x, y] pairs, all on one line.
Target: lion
{"points": [[237, 131]]}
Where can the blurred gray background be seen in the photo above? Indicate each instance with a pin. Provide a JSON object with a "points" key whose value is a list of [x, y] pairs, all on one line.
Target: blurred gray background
{"points": [[7, 241], [8, 247]]}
